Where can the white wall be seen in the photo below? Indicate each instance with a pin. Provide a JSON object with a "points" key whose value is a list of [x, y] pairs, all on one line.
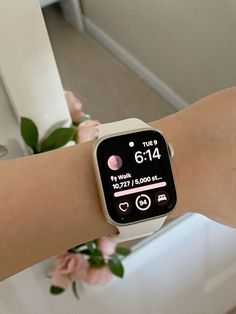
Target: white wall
{"points": [[188, 44], [27, 66], [9, 128]]}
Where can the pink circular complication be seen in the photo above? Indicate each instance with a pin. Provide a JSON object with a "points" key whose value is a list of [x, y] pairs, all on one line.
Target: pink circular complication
{"points": [[114, 162]]}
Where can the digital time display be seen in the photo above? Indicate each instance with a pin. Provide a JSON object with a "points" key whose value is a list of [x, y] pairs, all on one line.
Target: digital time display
{"points": [[136, 176]]}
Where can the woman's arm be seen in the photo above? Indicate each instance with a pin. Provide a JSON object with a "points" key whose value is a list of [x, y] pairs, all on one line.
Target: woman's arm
{"points": [[205, 159], [49, 202]]}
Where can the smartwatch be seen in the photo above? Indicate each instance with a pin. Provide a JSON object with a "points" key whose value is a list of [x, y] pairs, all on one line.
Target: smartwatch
{"points": [[134, 177]]}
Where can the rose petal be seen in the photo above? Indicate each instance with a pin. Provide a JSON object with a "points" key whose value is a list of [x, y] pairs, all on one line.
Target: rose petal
{"points": [[79, 275], [59, 280], [72, 265], [106, 246], [74, 105], [97, 276], [86, 130]]}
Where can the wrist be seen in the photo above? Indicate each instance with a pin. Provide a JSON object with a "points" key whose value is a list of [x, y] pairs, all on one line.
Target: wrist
{"points": [[179, 137], [89, 204], [203, 136], [128, 154]]}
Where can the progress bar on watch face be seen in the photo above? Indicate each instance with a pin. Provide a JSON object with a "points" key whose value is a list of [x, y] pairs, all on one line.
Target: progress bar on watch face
{"points": [[140, 189]]}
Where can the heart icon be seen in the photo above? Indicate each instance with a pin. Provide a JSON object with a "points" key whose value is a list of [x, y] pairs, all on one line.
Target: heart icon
{"points": [[124, 206]]}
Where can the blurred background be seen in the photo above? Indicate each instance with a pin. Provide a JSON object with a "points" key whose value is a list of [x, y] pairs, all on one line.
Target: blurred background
{"points": [[108, 89], [145, 59]]}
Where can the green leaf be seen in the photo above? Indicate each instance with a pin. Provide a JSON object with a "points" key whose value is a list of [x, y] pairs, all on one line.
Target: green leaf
{"points": [[75, 291], [86, 252], [121, 250], [75, 137], [91, 245], [57, 138], [29, 132], [116, 266], [96, 253], [96, 259], [56, 290], [72, 250]]}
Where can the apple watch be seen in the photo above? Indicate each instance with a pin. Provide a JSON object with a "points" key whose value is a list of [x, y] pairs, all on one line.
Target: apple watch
{"points": [[134, 176]]}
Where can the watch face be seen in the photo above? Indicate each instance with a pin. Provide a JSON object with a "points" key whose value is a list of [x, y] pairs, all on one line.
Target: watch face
{"points": [[136, 176]]}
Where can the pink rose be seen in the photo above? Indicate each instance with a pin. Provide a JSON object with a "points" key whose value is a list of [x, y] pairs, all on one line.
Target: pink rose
{"points": [[86, 130], [68, 267], [96, 276], [106, 246], [74, 105]]}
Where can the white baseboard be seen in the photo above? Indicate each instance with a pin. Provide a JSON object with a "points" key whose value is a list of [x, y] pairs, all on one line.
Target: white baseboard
{"points": [[72, 13], [135, 65]]}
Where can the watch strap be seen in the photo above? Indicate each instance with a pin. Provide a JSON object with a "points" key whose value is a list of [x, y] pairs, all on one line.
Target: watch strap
{"points": [[130, 232], [130, 124]]}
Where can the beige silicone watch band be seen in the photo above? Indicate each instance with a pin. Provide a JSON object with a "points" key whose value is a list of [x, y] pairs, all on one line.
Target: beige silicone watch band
{"points": [[139, 229]]}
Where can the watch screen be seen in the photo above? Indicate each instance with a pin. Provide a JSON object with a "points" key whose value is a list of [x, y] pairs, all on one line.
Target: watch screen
{"points": [[136, 176]]}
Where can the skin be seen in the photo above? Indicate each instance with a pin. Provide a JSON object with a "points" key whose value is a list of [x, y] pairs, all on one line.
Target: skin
{"points": [[49, 202]]}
